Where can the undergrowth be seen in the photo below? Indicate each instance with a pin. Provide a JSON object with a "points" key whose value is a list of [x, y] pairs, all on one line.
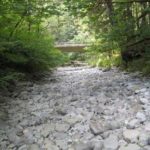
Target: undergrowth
{"points": [[27, 53]]}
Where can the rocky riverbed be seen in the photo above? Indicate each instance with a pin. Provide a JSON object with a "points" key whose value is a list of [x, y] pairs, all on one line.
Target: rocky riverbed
{"points": [[78, 108]]}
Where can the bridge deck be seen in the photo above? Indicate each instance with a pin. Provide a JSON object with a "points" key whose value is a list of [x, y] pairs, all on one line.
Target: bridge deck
{"points": [[71, 47]]}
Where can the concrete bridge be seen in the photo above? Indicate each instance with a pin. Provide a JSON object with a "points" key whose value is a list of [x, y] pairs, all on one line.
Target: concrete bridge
{"points": [[71, 47]]}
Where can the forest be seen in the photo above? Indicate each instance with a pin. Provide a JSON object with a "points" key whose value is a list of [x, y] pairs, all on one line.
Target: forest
{"points": [[118, 30]]}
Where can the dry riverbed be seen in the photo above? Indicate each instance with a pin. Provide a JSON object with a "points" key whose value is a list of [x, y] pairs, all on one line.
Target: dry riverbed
{"points": [[78, 108]]}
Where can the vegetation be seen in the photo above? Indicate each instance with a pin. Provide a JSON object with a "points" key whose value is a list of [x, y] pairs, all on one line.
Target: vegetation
{"points": [[25, 45], [121, 27], [118, 29]]}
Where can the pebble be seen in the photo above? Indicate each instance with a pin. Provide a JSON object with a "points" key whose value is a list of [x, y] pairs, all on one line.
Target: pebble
{"points": [[131, 135], [141, 117], [111, 143], [84, 109], [131, 147]]}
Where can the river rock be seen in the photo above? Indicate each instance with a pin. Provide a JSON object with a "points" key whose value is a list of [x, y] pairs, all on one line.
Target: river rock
{"points": [[141, 117], [49, 145], [34, 147], [131, 135], [144, 139], [111, 143], [134, 123], [131, 147], [97, 127]]}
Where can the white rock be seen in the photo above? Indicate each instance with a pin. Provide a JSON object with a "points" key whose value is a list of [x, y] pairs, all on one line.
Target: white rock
{"points": [[34, 147], [130, 147], [143, 100], [98, 146], [147, 127], [62, 127], [49, 145], [144, 139], [141, 116], [47, 129], [133, 124], [82, 146], [131, 135], [111, 143], [23, 147], [97, 127]]}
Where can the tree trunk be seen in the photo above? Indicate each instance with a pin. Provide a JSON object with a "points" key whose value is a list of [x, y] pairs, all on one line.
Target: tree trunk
{"points": [[15, 28], [110, 8]]}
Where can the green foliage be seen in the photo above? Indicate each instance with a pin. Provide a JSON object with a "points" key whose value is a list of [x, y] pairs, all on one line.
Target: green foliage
{"points": [[26, 45], [8, 77], [96, 59], [76, 56], [119, 25]]}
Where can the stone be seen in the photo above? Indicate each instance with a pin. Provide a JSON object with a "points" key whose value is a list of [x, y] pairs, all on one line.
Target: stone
{"points": [[144, 139], [131, 147], [28, 135], [147, 127], [131, 135], [141, 117], [111, 143], [47, 129], [72, 119], [49, 145], [15, 139], [132, 124], [122, 143], [147, 147], [62, 144], [62, 127], [3, 116], [97, 127], [83, 146], [34, 147], [62, 112], [98, 145], [144, 101], [23, 147]]}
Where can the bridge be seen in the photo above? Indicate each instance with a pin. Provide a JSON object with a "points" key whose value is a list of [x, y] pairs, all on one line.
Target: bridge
{"points": [[71, 47]]}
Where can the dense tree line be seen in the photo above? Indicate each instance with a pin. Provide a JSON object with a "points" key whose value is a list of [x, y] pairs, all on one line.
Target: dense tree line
{"points": [[119, 25], [28, 29], [26, 46]]}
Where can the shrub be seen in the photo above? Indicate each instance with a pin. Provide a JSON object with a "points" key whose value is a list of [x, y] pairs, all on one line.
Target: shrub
{"points": [[27, 53]]}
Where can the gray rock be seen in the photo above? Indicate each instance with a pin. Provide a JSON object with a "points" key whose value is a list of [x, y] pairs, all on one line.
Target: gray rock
{"points": [[98, 145], [83, 146], [147, 147], [47, 129], [144, 139], [3, 116], [72, 119], [49, 145], [141, 117], [23, 147], [111, 143], [34, 147], [134, 123], [62, 144], [131, 135], [62, 127], [144, 101], [97, 127], [62, 111], [28, 135], [131, 147], [14, 138], [147, 127]]}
